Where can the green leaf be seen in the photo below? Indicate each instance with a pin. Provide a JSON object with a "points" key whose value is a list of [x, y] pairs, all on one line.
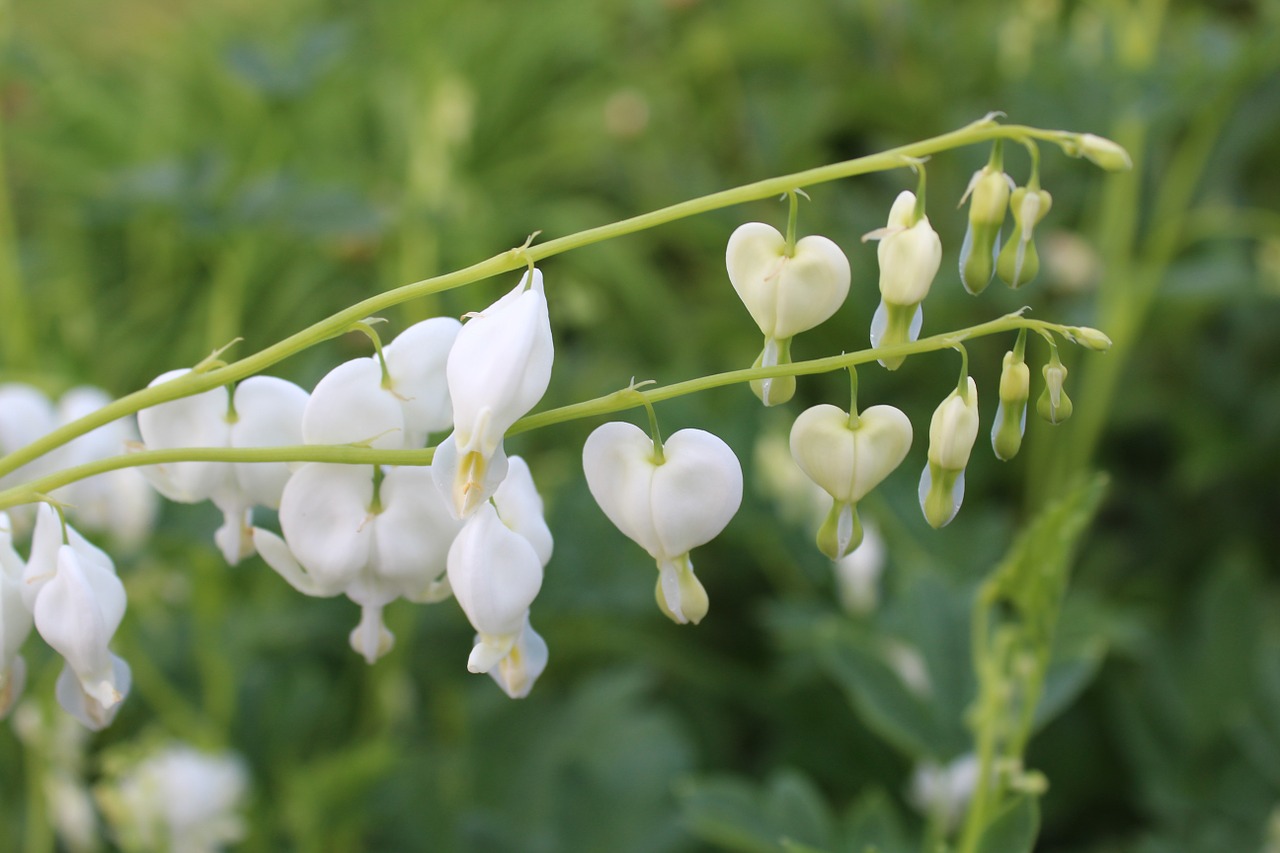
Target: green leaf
{"points": [[1014, 829], [787, 812], [872, 825]]}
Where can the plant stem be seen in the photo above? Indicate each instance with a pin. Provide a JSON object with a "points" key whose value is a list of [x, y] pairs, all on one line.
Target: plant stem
{"points": [[984, 130]]}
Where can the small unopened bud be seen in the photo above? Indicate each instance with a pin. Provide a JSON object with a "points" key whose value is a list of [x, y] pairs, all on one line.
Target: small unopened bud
{"points": [[1019, 262], [1090, 338], [1054, 405], [952, 431], [1011, 413], [1105, 153], [990, 191]]}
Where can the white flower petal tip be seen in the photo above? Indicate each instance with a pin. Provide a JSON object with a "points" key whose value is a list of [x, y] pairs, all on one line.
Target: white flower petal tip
{"points": [[519, 670], [941, 494], [88, 708], [370, 638], [520, 507], [668, 507], [786, 295]]}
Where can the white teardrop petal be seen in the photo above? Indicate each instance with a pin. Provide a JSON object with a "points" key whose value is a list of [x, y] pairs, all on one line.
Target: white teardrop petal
{"points": [[350, 406]]}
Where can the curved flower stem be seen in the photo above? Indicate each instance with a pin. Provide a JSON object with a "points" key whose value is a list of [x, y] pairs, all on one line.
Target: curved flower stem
{"points": [[618, 401], [983, 130]]}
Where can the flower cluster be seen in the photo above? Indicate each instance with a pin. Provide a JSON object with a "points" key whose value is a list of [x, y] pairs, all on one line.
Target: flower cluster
{"points": [[463, 519]]}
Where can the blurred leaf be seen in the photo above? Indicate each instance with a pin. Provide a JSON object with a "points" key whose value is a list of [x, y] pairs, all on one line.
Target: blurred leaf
{"points": [[872, 824], [1014, 829], [787, 813]]}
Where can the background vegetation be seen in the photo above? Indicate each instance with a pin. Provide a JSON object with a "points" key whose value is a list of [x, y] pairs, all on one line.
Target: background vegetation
{"points": [[181, 173]]}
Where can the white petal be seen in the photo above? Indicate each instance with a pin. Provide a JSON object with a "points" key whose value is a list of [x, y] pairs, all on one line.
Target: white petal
{"points": [[370, 639], [350, 406], [276, 554], [196, 421], [520, 507], [500, 366], [416, 361], [15, 618], [786, 295], [517, 672], [696, 491], [617, 460], [76, 613], [413, 533], [495, 575], [465, 482], [324, 515], [91, 712], [269, 414]]}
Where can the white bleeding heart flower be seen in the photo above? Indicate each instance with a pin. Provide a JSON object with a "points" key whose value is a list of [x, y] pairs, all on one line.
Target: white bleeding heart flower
{"points": [[176, 799], [498, 370], [848, 457], [120, 503], [375, 542], [15, 620], [26, 414], [668, 504], [517, 672], [264, 411], [495, 574], [355, 403], [952, 432], [990, 188], [785, 293], [910, 253], [77, 602]]}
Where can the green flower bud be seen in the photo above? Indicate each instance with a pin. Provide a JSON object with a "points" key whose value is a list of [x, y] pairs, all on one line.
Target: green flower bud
{"points": [[1018, 261], [1054, 405], [1105, 153], [1011, 413], [989, 188], [1089, 338], [952, 431], [841, 531]]}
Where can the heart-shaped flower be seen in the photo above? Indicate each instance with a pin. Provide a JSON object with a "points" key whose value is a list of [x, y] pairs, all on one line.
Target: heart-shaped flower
{"points": [[848, 457], [785, 292], [668, 499], [952, 432]]}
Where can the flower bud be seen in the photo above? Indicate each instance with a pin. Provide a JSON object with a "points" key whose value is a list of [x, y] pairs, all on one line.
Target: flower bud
{"points": [[990, 190], [952, 432], [1105, 153], [1018, 261], [1054, 405], [848, 460], [1011, 414], [1090, 338], [668, 504], [909, 254]]}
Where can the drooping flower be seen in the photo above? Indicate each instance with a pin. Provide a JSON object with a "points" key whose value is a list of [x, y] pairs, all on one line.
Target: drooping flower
{"points": [[77, 602], [15, 620], [1053, 404], [786, 292], [668, 499], [943, 792], [264, 411], [495, 574], [498, 369], [373, 535], [848, 457], [952, 432], [177, 799], [909, 254]]}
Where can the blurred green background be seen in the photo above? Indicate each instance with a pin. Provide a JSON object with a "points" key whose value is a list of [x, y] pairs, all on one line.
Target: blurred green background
{"points": [[181, 173]]}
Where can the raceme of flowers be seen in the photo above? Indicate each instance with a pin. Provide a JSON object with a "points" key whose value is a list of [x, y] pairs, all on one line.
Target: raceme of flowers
{"points": [[470, 525]]}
